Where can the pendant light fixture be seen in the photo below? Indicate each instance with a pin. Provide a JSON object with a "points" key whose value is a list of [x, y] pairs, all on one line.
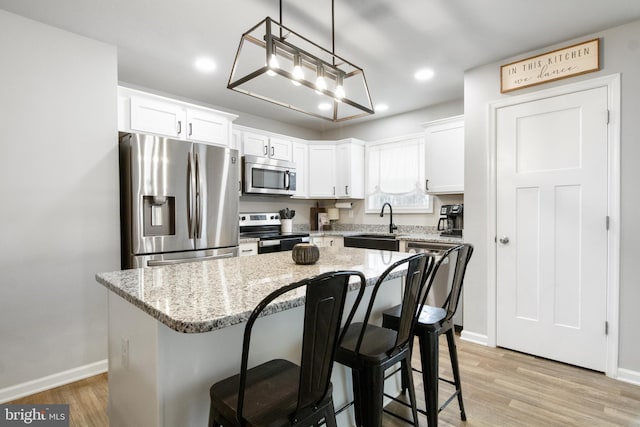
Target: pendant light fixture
{"points": [[271, 57]]}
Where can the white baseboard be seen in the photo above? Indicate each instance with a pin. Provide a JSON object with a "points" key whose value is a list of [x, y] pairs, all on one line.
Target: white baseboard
{"points": [[628, 376], [55, 380], [474, 337]]}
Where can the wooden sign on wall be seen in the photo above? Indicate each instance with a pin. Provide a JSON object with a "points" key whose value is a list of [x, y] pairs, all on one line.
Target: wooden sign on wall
{"points": [[559, 64]]}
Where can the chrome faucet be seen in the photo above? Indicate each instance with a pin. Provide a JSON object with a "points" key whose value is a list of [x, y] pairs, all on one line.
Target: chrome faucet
{"points": [[392, 226]]}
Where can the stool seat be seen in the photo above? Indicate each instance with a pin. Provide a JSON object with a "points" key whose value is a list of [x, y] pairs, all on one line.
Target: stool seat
{"points": [[429, 318], [271, 393], [373, 350]]}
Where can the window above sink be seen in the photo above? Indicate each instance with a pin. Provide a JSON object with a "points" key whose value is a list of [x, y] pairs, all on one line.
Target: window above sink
{"points": [[396, 175]]}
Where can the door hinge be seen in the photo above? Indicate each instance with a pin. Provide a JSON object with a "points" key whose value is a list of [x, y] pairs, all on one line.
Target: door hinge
{"points": [[608, 221], [606, 328]]}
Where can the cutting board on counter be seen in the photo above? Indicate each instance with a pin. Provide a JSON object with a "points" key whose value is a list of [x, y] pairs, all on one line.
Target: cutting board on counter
{"points": [[313, 218]]}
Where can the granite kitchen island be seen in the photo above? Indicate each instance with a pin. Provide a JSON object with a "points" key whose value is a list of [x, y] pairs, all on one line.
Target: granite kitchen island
{"points": [[175, 330]]}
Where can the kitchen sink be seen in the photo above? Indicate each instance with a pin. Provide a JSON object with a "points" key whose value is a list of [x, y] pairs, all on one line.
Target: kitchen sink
{"points": [[387, 242]]}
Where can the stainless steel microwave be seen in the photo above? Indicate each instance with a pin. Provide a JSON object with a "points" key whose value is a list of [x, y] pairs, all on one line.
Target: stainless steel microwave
{"points": [[268, 176]]}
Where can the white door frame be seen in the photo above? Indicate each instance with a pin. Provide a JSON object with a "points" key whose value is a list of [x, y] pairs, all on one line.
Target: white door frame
{"points": [[612, 82]]}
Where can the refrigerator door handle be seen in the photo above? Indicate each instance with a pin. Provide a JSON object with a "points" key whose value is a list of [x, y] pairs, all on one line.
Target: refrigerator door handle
{"points": [[198, 230], [190, 196]]}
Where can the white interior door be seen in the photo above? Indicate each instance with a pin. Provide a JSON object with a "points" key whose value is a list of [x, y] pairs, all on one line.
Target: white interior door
{"points": [[552, 227]]}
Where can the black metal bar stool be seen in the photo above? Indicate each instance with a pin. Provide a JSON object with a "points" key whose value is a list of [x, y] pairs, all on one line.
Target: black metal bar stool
{"points": [[435, 320], [279, 392], [370, 349]]}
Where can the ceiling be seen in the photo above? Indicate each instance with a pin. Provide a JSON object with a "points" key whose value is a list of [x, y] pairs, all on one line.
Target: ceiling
{"points": [[159, 40]]}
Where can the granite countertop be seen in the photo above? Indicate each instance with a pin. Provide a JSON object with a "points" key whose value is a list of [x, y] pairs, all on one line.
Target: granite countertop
{"points": [[207, 295]]}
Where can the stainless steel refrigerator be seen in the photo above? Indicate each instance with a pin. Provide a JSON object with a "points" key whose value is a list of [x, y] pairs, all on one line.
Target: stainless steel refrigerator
{"points": [[179, 201]]}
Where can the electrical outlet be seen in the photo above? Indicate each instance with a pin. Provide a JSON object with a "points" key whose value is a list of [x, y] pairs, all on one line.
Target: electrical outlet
{"points": [[125, 353]]}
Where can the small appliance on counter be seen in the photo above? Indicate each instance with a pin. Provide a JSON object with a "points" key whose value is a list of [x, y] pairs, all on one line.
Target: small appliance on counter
{"points": [[451, 220], [267, 228]]}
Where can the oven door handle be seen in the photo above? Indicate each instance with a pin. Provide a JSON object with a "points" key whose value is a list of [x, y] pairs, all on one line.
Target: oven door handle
{"points": [[267, 243]]}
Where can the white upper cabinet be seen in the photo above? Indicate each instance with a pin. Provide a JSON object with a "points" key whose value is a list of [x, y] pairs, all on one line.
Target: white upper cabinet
{"points": [[301, 159], [207, 126], [444, 156], [350, 169], [322, 170], [336, 169], [143, 112], [257, 144], [155, 116]]}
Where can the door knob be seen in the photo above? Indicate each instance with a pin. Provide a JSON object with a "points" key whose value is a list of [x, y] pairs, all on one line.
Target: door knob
{"points": [[504, 240]]}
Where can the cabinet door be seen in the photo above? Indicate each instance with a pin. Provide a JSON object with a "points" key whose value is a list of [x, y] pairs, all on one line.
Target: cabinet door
{"points": [[155, 116], [205, 126], [445, 156], [280, 149], [249, 248], [255, 144], [322, 171], [301, 159], [334, 241], [350, 170]]}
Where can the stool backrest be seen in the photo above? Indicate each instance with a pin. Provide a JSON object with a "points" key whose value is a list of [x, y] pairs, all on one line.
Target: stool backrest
{"points": [[444, 284], [416, 266], [325, 297]]}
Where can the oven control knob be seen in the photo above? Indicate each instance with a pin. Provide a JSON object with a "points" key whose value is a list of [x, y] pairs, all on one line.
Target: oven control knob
{"points": [[242, 218]]}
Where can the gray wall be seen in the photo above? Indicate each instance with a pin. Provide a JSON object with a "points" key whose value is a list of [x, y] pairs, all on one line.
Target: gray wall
{"points": [[621, 54], [397, 125], [59, 220]]}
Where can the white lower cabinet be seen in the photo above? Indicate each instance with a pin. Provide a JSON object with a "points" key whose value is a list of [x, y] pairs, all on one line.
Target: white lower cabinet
{"points": [[328, 241], [248, 248], [334, 241]]}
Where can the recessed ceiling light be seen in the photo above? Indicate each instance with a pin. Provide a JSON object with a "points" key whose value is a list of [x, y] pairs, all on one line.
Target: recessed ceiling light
{"points": [[424, 74], [206, 65], [381, 107], [324, 106]]}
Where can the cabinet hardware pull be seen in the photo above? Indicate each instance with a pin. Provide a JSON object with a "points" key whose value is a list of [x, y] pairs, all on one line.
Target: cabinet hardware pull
{"points": [[273, 151], [179, 127], [190, 129], [426, 185], [346, 190], [334, 190], [265, 149]]}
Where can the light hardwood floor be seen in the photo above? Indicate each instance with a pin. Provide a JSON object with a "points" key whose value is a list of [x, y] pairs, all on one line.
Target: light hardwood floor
{"points": [[500, 388]]}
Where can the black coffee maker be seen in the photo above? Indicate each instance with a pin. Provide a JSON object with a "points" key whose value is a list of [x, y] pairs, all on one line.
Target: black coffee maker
{"points": [[451, 221]]}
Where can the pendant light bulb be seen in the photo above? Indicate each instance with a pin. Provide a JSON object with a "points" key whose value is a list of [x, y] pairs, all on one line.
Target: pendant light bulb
{"points": [[297, 73], [321, 84], [273, 65], [339, 93]]}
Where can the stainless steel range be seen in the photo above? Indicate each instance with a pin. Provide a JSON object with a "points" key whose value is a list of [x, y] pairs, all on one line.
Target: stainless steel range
{"points": [[266, 227]]}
